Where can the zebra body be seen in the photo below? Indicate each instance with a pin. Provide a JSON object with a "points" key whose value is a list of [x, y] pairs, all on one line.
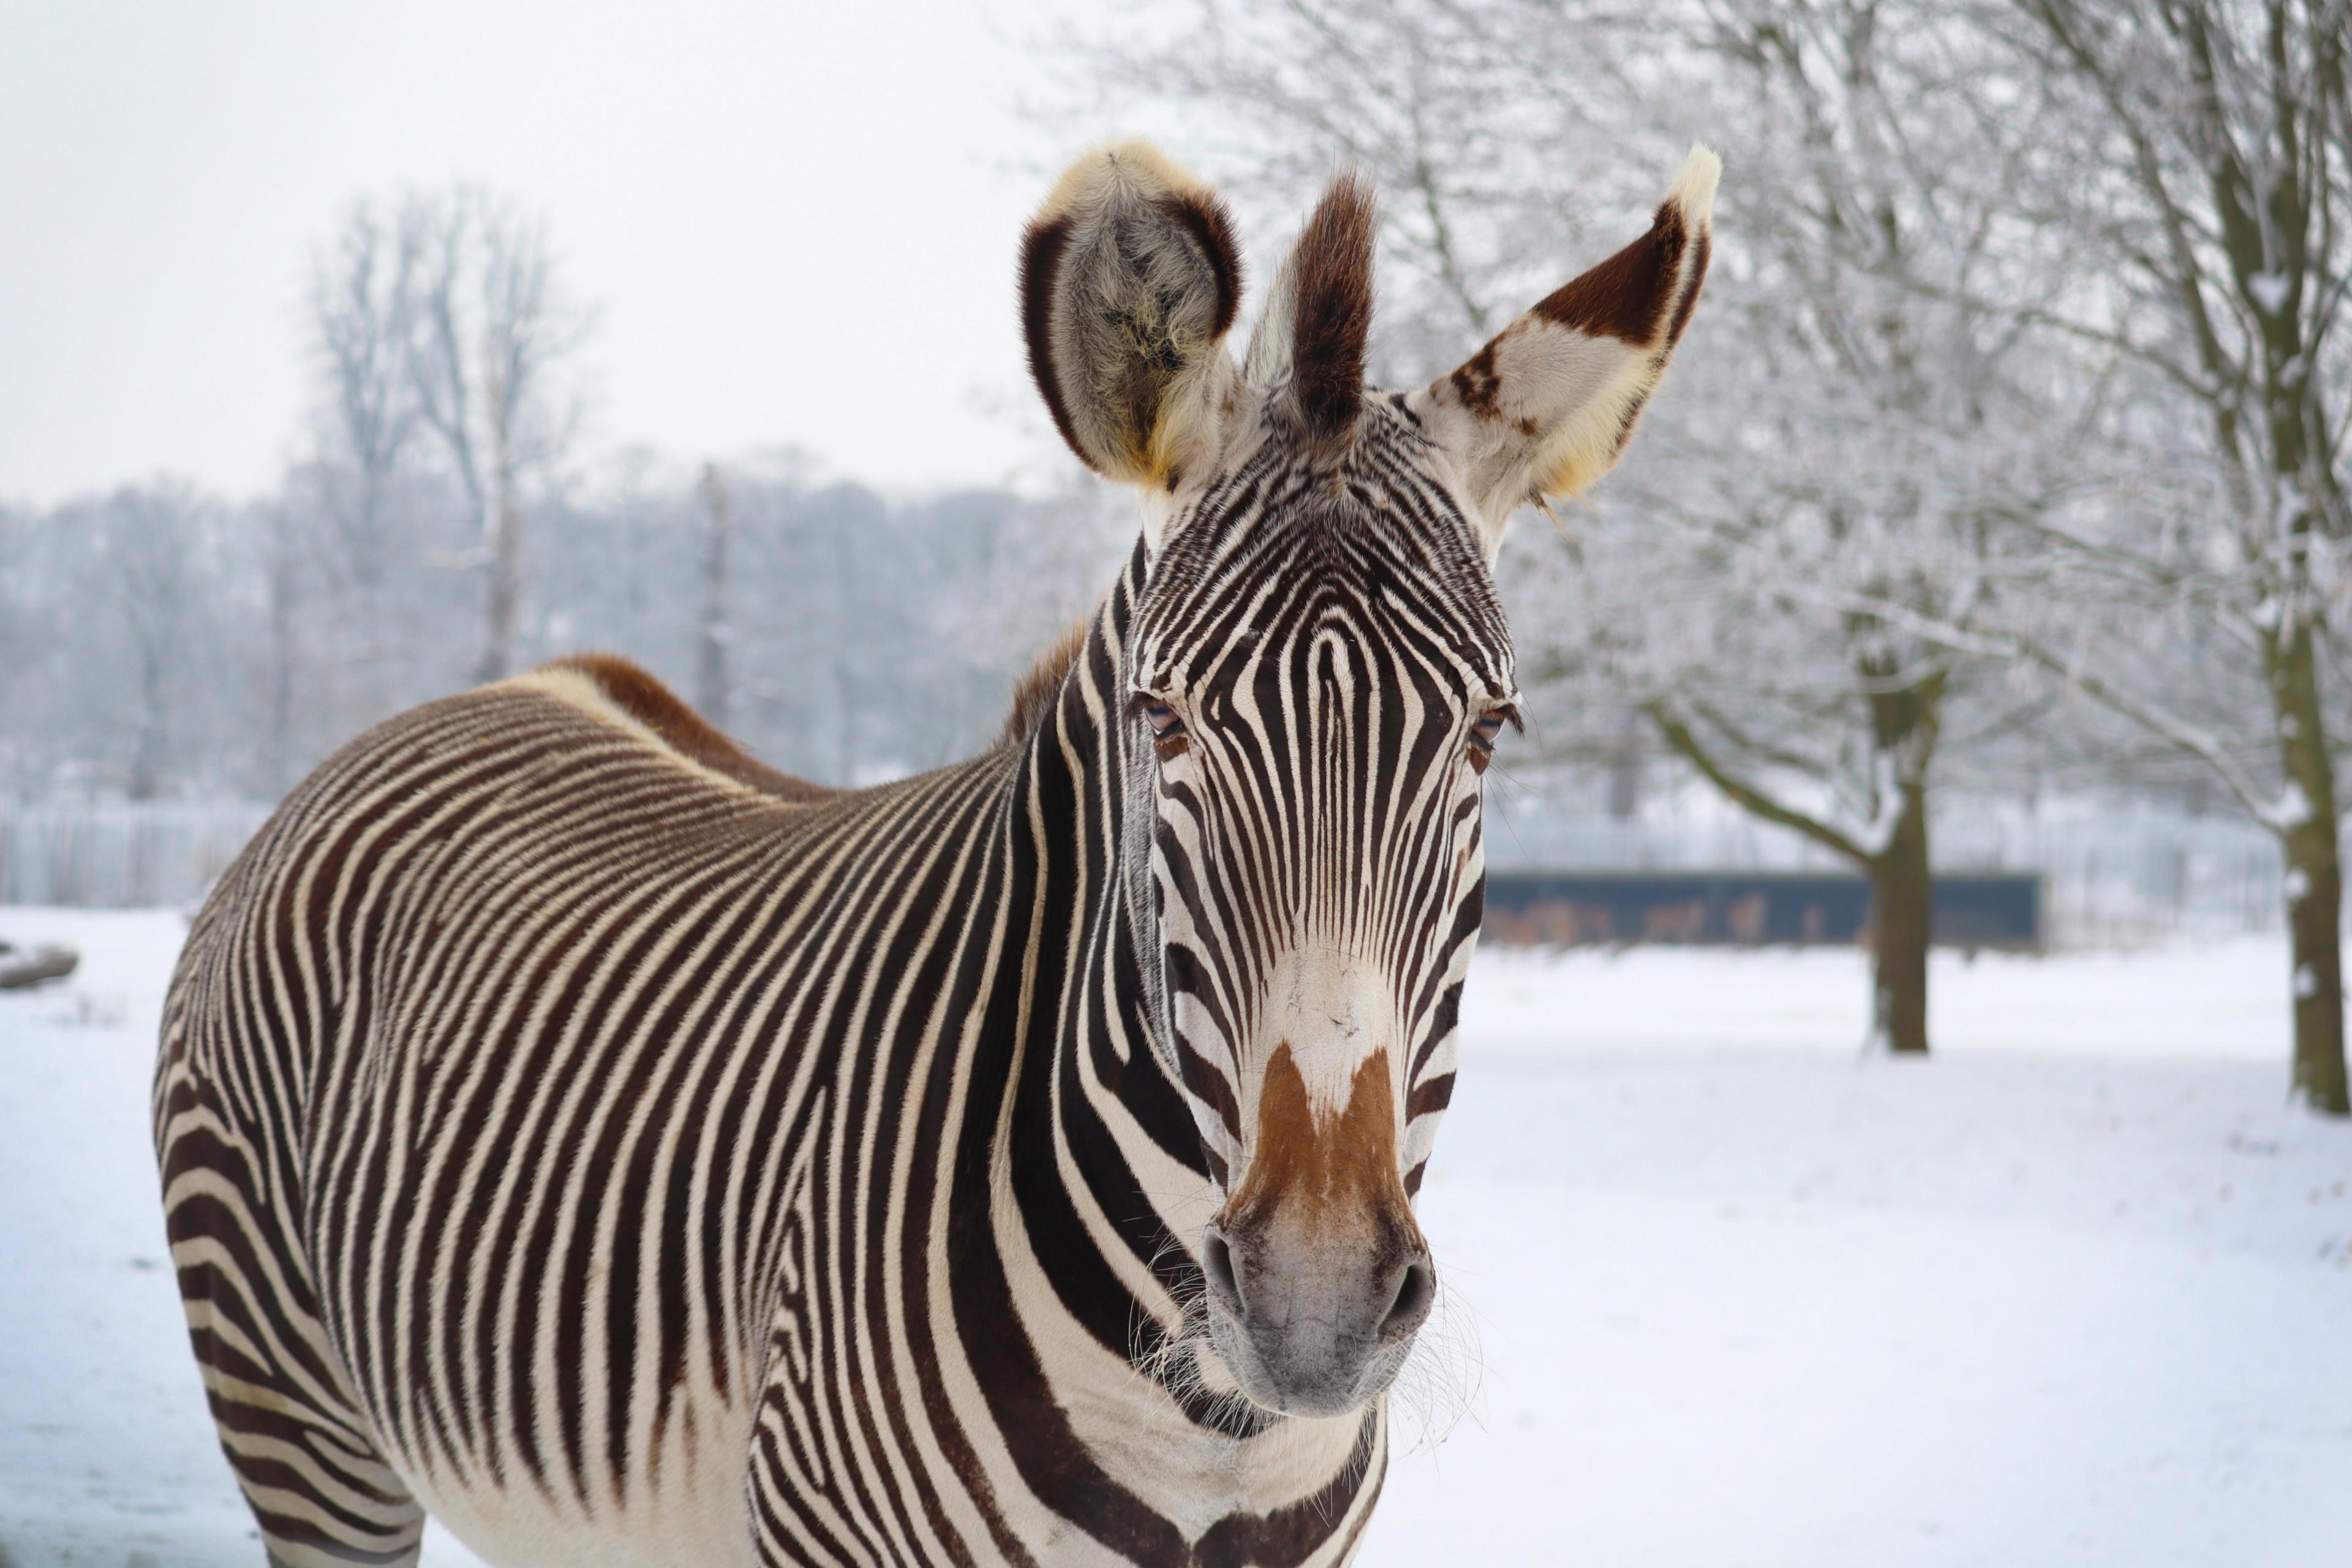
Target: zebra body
{"points": [[630, 1155], [831, 984], [825, 984]]}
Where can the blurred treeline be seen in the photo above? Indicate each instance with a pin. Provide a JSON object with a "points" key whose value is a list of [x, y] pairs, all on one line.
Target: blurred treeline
{"points": [[445, 523], [161, 643]]}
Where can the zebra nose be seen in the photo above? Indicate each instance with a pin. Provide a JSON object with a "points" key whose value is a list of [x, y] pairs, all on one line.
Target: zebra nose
{"points": [[1309, 1326], [1416, 1292], [1217, 1266]]}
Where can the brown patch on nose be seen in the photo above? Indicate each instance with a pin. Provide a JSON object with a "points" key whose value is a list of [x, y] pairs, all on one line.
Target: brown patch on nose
{"points": [[1336, 1176]]}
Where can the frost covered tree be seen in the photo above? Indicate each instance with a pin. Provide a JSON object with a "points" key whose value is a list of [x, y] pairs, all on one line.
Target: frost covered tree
{"points": [[362, 317], [489, 362], [152, 552], [444, 353], [167, 643], [2195, 586], [1038, 572], [1846, 424], [284, 550]]}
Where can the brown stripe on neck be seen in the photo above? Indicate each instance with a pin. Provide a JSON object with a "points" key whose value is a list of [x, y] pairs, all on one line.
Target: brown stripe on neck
{"points": [[645, 699]]}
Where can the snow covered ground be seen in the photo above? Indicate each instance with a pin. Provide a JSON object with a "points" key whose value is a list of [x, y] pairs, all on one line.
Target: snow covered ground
{"points": [[2077, 1293]]}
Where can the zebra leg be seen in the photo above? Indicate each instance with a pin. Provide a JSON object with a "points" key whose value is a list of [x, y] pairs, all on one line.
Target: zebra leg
{"points": [[300, 1448]]}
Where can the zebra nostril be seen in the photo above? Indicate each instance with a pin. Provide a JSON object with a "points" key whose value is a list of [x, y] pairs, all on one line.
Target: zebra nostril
{"points": [[1414, 1293], [1217, 1263]]}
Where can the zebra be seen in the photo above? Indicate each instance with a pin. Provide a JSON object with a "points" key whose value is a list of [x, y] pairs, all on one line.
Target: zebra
{"points": [[578, 1132]]}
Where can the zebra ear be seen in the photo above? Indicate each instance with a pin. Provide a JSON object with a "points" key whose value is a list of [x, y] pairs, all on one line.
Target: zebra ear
{"points": [[1308, 351], [1549, 405], [1129, 280]]}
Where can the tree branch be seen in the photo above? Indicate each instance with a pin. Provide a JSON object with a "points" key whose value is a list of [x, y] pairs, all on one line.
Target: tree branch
{"points": [[1748, 796]]}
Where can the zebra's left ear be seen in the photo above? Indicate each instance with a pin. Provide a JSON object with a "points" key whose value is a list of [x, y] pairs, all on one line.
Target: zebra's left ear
{"points": [[1549, 404], [1129, 280]]}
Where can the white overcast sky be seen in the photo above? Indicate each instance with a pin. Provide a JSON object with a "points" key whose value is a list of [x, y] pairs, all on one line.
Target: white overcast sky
{"points": [[798, 220]]}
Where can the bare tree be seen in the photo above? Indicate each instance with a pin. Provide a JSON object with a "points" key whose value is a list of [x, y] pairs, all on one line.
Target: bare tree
{"points": [[363, 318], [1846, 418], [494, 338], [283, 549], [163, 643], [151, 543], [2203, 149], [1899, 424]]}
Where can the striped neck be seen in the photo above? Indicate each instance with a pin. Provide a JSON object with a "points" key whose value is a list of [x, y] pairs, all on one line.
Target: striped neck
{"points": [[1083, 1165], [1093, 1137]]}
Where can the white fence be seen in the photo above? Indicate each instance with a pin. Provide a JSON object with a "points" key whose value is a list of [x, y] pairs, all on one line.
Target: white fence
{"points": [[2116, 877], [119, 856]]}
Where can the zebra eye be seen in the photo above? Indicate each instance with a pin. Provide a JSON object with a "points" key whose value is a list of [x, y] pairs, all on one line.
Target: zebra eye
{"points": [[1484, 732], [1168, 736]]}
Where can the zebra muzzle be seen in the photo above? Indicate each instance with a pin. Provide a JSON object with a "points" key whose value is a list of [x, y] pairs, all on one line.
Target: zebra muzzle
{"points": [[1317, 1275]]}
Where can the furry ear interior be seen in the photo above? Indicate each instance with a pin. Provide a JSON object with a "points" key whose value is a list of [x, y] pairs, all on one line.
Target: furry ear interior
{"points": [[1549, 404], [1308, 352], [1129, 280]]}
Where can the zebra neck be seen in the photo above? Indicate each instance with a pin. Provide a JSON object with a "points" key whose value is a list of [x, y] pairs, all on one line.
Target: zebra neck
{"points": [[1096, 1142], [1080, 1187]]}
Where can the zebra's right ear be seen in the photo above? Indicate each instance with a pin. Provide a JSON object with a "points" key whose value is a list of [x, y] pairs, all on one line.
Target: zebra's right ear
{"points": [[1129, 280], [1549, 404]]}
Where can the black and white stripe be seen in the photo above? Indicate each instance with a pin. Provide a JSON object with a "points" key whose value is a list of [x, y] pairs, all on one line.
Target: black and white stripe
{"points": [[633, 1156], [567, 1135]]}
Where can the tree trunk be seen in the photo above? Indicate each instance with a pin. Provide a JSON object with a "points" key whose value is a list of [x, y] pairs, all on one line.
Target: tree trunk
{"points": [[20, 970], [845, 676], [506, 580], [147, 750], [1625, 770], [710, 652], [279, 758], [1902, 900], [2315, 881], [1905, 722]]}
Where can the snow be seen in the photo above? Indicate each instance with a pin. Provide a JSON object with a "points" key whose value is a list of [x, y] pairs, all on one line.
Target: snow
{"points": [[2291, 810], [2072, 1292], [107, 1455], [2068, 1294]]}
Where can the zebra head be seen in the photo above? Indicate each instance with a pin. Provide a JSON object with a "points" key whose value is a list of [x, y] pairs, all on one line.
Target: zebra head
{"points": [[1316, 671]]}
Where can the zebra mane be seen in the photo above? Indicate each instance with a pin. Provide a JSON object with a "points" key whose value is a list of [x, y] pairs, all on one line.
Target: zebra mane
{"points": [[640, 697], [1033, 693]]}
